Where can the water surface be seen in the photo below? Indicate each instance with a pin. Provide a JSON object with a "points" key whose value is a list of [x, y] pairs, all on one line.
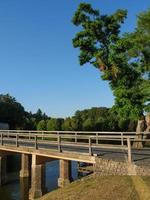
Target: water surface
{"points": [[18, 189]]}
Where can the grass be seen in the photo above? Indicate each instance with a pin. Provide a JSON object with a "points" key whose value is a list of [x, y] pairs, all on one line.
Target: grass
{"points": [[142, 186], [146, 179], [98, 188]]}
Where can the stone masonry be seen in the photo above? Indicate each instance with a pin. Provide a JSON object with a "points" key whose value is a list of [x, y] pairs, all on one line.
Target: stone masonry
{"points": [[104, 167]]}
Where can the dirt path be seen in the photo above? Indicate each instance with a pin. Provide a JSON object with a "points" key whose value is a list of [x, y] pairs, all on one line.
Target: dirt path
{"points": [[141, 188]]}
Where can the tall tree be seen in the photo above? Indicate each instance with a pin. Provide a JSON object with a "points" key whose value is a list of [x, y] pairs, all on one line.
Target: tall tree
{"points": [[55, 124], [38, 115], [11, 112], [122, 59], [41, 126], [67, 125]]}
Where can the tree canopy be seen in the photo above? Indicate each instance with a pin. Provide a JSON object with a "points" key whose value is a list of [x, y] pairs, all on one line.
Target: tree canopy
{"points": [[11, 111], [122, 58], [93, 119]]}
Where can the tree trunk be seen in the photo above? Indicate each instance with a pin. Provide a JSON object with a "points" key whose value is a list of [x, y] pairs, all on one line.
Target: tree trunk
{"points": [[148, 125], [139, 129], [143, 125]]}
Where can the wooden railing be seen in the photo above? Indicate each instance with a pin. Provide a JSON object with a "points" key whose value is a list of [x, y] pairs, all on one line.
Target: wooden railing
{"points": [[88, 140]]}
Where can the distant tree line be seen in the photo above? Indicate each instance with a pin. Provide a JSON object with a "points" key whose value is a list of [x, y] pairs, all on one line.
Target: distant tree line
{"points": [[94, 119]]}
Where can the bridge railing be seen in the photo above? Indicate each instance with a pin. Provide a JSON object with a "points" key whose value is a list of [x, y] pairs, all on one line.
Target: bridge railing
{"points": [[74, 133], [96, 140], [69, 132]]}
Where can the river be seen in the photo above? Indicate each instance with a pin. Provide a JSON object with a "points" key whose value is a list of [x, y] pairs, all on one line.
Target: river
{"points": [[18, 190]]}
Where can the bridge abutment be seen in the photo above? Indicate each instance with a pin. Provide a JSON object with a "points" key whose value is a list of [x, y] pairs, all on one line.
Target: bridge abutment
{"points": [[64, 173]]}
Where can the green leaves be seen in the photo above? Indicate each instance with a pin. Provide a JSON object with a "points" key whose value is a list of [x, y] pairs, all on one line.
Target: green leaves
{"points": [[98, 33], [120, 15], [83, 14], [123, 59], [11, 111]]}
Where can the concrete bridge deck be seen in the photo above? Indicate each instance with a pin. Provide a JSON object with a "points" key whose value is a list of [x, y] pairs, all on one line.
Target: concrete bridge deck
{"points": [[76, 153]]}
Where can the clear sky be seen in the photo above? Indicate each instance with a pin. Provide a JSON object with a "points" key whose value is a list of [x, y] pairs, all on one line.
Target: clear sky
{"points": [[38, 64]]}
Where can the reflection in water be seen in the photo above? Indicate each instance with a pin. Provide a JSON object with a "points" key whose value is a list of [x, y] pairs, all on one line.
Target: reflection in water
{"points": [[10, 191], [19, 190], [24, 188]]}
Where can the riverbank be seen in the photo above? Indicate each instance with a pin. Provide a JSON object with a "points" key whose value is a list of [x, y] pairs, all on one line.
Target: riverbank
{"points": [[104, 188]]}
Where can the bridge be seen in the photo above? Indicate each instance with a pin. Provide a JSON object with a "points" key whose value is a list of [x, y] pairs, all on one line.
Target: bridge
{"points": [[98, 148]]}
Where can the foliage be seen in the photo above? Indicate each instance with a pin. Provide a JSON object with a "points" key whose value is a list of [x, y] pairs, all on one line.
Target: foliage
{"points": [[41, 126], [39, 115], [123, 59], [97, 119], [68, 124], [54, 124], [30, 122], [11, 111], [94, 119]]}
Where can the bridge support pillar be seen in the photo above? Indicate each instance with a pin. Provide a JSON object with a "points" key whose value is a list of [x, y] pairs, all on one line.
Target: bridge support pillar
{"points": [[25, 166], [3, 175], [64, 173], [37, 178]]}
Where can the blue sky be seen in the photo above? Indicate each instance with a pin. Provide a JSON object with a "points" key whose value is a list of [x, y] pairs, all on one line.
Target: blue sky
{"points": [[38, 64]]}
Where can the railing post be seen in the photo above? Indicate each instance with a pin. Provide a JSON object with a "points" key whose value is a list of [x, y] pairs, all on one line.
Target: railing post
{"points": [[1, 138], [122, 143], [129, 150], [36, 146], [96, 138], [42, 135], [59, 143], [8, 134], [17, 137], [29, 135], [76, 140], [90, 146]]}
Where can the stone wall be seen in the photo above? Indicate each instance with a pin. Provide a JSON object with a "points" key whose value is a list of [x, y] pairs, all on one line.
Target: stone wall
{"points": [[104, 167]]}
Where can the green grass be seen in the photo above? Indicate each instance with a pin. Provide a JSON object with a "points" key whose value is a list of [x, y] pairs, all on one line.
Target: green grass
{"points": [[146, 179], [142, 186], [97, 188]]}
